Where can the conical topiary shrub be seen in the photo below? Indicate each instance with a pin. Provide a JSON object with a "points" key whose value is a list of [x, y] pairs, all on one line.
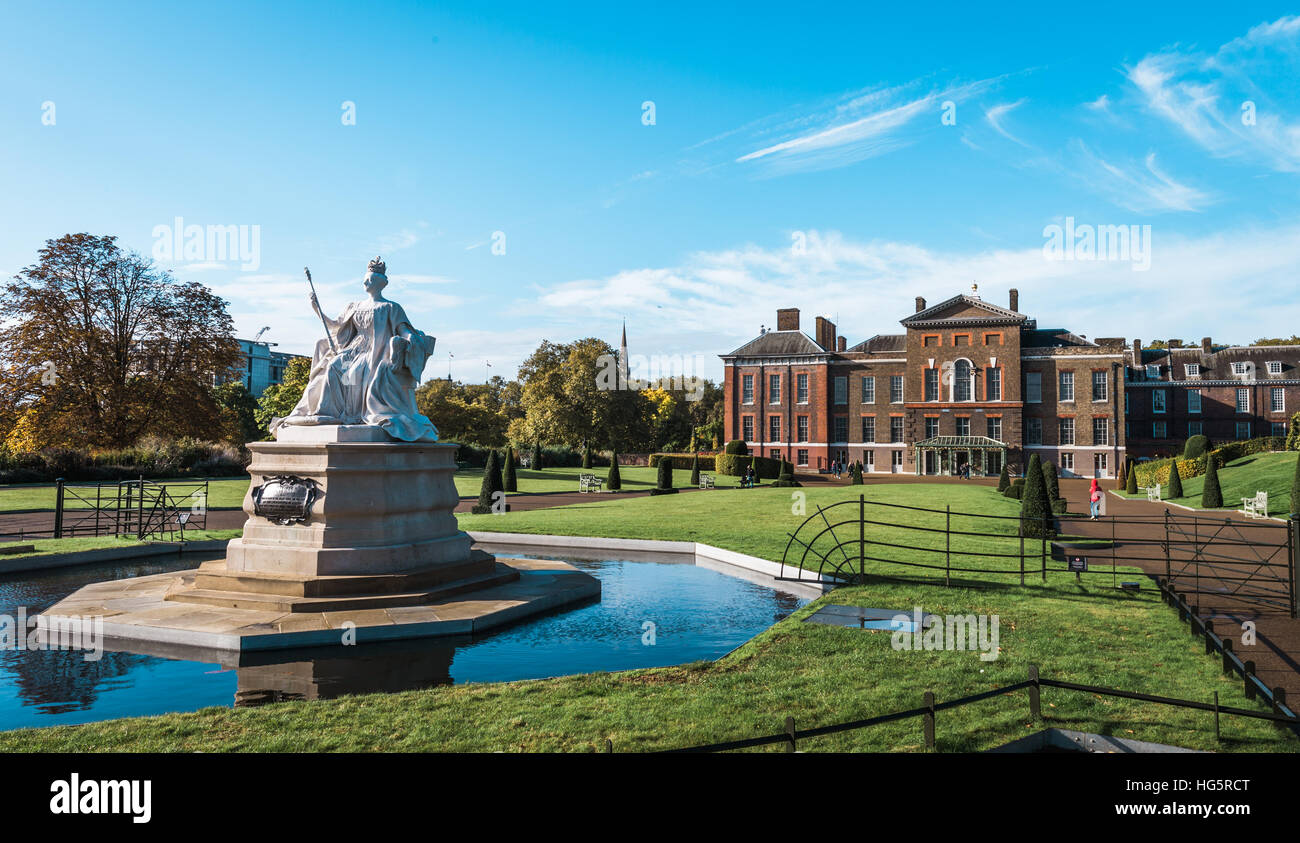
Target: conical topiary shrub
{"points": [[1211, 494], [613, 481], [1053, 485], [1175, 480], [537, 456], [491, 491], [786, 477], [855, 474], [586, 456], [1131, 485], [510, 482], [1034, 508], [665, 484], [695, 471], [1004, 479]]}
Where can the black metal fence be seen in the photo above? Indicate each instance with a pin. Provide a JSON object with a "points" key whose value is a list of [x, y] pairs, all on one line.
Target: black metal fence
{"points": [[1250, 562], [930, 707], [139, 508]]}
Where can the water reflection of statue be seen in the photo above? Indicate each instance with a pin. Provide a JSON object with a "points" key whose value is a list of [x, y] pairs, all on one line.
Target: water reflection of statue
{"points": [[369, 374]]}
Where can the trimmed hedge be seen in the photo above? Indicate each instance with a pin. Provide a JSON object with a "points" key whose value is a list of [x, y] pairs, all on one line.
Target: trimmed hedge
{"points": [[734, 465], [1196, 447], [1157, 471], [152, 458], [686, 462], [736, 446]]}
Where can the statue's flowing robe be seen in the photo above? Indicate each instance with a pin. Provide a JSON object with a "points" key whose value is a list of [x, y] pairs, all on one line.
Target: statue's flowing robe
{"points": [[371, 378]]}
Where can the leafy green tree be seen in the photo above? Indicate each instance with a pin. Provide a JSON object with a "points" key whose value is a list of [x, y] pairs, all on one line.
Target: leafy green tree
{"points": [[509, 478], [491, 487], [472, 413], [1034, 506], [1175, 480], [613, 481], [238, 412], [279, 399], [1211, 494]]}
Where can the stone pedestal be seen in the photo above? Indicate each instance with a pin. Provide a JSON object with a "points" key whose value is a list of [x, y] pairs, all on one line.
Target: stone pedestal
{"points": [[377, 556]]}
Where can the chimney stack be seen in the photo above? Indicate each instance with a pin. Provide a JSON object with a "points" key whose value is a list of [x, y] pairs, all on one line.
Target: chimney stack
{"points": [[825, 335], [841, 344], [787, 319], [1015, 299], [1137, 353], [920, 304], [1207, 345], [1175, 343]]}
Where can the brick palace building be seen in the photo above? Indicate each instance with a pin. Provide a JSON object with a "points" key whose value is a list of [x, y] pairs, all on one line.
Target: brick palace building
{"points": [[972, 383]]}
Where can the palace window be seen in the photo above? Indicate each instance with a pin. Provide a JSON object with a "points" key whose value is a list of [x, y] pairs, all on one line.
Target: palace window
{"points": [[774, 428], [841, 387], [1067, 461], [895, 389], [747, 428], [801, 457], [1067, 431], [1243, 430], [1100, 386], [931, 428], [803, 428], [896, 429], [1067, 386], [995, 428], [1194, 428], [801, 388], [868, 460], [841, 428], [868, 390], [747, 389], [931, 384], [1279, 429], [963, 426], [963, 384], [1240, 369], [1101, 431], [1158, 401], [1278, 399], [1193, 400], [1192, 370], [1159, 430], [1153, 372], [1243, 401], [774, 389], [993, 385], [1033, 431], [896, 461], [1275, 367], [868, 428], [1033, 387]]}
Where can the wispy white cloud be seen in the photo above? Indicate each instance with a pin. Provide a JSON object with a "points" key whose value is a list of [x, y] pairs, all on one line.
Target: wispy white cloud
{"points": [[1142, 188], [994, 117], [1237, 102]]}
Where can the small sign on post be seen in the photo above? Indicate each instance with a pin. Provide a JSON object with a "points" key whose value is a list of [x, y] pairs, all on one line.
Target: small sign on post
{"points": [[1077, 564]]}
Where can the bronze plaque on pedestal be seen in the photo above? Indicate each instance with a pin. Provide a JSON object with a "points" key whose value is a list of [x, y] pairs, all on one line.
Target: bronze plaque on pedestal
{"points": [[285, 499]]}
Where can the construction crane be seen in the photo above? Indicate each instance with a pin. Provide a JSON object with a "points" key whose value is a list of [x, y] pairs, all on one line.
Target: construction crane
{"points": [[258, 335]]}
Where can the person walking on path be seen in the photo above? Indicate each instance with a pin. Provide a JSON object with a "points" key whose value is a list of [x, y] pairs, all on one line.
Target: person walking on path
{"points": [[1094, 501]]}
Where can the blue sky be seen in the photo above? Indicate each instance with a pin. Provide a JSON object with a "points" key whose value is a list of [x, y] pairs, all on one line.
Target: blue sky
{"points": [[774, 126]]}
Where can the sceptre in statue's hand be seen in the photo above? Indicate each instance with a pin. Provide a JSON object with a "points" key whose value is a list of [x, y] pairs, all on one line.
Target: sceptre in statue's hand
{"points": [[315, 305]]}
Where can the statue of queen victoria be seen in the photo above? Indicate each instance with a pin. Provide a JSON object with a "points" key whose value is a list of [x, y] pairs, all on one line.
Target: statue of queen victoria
{"points": [[367, 368]]}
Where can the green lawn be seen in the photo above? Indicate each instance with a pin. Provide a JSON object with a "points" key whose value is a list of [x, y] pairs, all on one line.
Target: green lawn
{"points": [[759, 521], [45, 547], [223, 493], [817, 674], [1242, 478]]}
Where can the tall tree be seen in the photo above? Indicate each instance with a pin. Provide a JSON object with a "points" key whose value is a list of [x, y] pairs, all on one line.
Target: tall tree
{"points": [[279, 399], [238, 410], [120, 348]]}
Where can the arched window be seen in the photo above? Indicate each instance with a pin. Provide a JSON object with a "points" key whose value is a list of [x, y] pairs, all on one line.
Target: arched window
{"points": [[963, 382]]}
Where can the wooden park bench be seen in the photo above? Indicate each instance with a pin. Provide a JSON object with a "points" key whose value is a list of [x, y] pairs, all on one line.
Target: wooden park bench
{"points": [[589, 483], [1153, 492], [1256, 507], [706, 481]]}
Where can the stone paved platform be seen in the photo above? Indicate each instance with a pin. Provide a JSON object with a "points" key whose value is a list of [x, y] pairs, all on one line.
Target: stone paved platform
{"points": [[136, 609]]}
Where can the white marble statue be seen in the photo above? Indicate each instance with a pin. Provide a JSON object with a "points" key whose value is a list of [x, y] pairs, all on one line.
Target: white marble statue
{"points": [[368, 373]]}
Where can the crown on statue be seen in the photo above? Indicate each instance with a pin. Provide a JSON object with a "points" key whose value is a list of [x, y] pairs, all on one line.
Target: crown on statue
{"points": [[378, 266]]}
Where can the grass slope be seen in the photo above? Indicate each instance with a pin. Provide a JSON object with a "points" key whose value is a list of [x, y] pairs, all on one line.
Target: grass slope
{"points": [[817, 674], [1242, 478]]}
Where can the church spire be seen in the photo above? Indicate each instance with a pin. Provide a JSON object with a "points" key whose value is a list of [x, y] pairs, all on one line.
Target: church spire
{"points": [[622, 359]]}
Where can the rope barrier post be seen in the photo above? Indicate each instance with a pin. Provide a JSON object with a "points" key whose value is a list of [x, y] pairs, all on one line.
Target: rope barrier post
{"points": [[58, 509], [1035, 700], [789, 735], [929, 719]]}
